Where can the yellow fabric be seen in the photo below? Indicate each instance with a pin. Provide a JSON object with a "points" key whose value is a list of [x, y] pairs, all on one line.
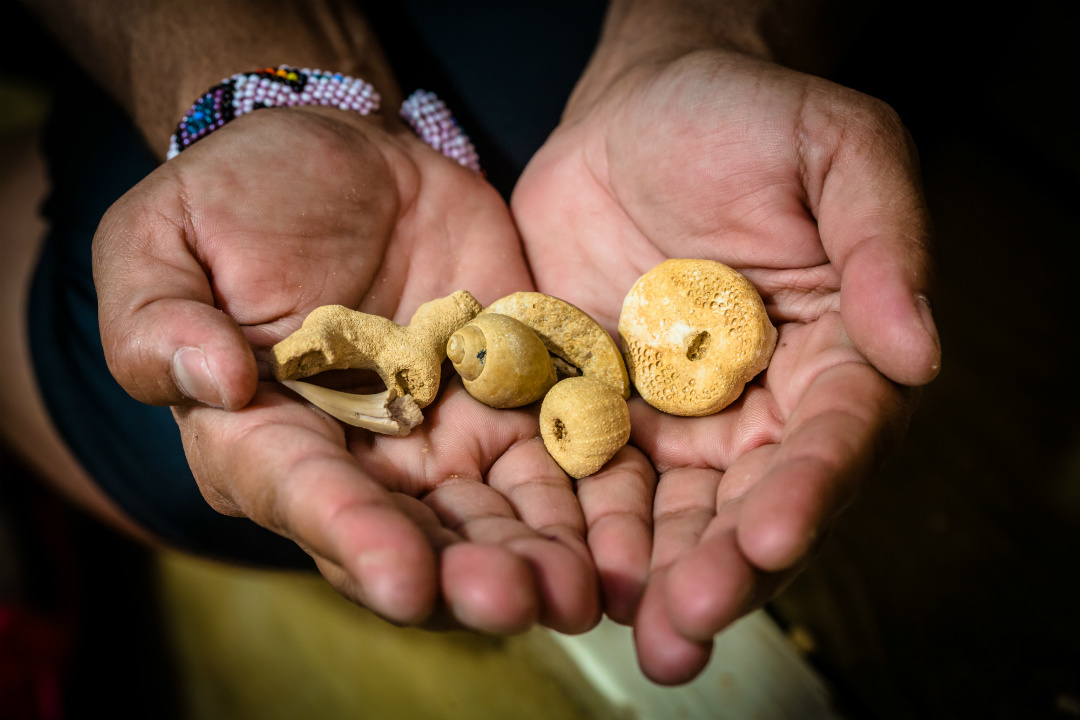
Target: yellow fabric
{"points": [[266, 645]]}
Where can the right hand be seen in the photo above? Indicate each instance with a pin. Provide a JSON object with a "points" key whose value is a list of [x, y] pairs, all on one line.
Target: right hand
{"points": [[223, 250]]}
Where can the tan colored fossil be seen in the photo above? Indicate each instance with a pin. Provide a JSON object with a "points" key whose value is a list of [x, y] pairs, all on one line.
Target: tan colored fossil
{"points": [[408, 359], [501, 361], [568, 333], [584, 422], [693, 333]]}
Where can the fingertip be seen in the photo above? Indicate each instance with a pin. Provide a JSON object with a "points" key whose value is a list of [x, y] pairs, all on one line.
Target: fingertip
{"points": [[665, 656], [195, 379], [397, 585], [774, 547], [176, 351], [224, 380], [565, 580], [776, 531], [709, 589], [621, 545], [887, 315], [489, 589]]}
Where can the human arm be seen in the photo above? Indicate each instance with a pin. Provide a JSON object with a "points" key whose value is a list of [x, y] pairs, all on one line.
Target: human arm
{"points": [[155, 57], [226, 247], [684, 139]]}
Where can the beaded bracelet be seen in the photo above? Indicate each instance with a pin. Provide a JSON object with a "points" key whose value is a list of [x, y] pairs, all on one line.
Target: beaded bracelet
{"points": [[287, 86], [430, 119]]}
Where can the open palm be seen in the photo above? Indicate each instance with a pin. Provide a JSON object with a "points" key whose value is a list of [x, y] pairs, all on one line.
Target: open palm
{"points": [[223, 251], [810, 190]]}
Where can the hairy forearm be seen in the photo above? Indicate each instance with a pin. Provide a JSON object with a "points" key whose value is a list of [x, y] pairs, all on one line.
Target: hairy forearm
{"points": [[658, 29], [802, 34], [156, 56]]}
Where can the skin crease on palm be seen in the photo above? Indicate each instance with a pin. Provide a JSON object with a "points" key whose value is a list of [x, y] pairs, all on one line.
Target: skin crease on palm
{"points": [[406, 527], [811, 190], [468, 520]]}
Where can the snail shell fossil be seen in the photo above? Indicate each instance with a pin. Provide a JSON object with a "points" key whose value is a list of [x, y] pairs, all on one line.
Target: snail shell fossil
{"points": [[568, 333], [501, 361], [584, 422]]}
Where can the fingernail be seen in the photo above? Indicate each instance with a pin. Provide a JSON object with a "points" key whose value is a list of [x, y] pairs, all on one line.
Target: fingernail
{"points": [[192, 375], [927, 316], [923, 304]]}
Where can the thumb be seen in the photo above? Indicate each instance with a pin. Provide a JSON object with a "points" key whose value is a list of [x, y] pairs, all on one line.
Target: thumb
{"points": [[165, 342], [875, 227]]}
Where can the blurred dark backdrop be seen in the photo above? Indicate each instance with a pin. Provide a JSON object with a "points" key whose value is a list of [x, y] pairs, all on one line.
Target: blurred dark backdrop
{"points": [[949, 590]]}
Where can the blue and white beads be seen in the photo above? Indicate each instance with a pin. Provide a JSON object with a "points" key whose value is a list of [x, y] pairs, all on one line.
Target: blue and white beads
{"points": [[284, 87]]}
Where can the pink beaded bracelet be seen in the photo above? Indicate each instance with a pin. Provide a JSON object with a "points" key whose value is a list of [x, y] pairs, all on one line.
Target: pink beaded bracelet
{"points": [[286, 86], [430, 119]]}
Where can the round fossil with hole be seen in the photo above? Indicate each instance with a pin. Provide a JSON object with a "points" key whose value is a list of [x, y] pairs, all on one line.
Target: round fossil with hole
{"points": [[584, 422], [693, 333]]}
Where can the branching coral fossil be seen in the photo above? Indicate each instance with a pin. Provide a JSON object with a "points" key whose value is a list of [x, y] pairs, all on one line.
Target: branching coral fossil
{"points": [[408, 359]]}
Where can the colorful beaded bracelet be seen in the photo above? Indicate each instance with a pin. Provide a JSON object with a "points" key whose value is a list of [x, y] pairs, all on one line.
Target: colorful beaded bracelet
{"points": [[286, 86]]}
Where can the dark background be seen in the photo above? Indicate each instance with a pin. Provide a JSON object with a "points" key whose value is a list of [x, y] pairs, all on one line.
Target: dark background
{"points": [[949, 590]]}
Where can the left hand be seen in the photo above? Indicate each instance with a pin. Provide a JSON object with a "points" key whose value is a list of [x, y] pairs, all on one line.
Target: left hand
{"points": [[809, 189]]}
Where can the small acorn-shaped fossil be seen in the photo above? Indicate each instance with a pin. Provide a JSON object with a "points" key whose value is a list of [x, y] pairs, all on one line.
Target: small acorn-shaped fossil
{"points": [[501, 361], [584, 422]]}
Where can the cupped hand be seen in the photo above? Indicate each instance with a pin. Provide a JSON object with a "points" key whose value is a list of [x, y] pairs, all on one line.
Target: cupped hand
{"points": [[812, 191], [223, 250]]}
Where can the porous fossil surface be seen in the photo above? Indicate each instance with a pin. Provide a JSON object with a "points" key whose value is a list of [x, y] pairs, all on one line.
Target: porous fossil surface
{"points": [[693, 333], [584, 422], [407, 358]]}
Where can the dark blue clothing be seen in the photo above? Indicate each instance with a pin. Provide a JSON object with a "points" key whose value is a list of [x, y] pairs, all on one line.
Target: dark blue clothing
{"points": [[505, 70]]}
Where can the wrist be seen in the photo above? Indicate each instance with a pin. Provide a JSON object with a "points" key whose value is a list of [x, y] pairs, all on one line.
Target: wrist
{"points": [[283, 87], [287, 87], [655, 33], [156, 58]]}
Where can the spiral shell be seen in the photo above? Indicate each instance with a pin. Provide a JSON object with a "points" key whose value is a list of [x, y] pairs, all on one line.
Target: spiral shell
{"points": [[501, 361], [584, 422], [569, 333]]}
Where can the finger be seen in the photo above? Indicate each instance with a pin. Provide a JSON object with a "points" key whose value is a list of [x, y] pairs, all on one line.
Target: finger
{"points": [[842, 429], [485, 587], [617, 504], [482, 516], [713, 586], [886, 308], [528, 506], [541, 496], [164, 340], [282, 466], [665, 656], [489, 588], [445, 460], [874, 224], [685, 506]]}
